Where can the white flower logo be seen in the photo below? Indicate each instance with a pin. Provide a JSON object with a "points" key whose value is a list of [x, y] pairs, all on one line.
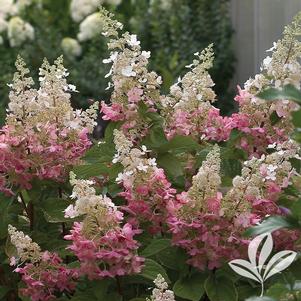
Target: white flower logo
{"points": [[259, 268]]}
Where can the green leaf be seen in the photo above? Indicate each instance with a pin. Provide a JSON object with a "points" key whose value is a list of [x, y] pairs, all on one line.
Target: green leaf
{"points": [[109, 132], [155, 246], [173, 258], [100, 153], [53, 209], [288, 92], [297, 118], [3, 291], [155, 139], [277, 290], [90, 170], [180, 144], [5, 204], [171, 165], [151, 270], [98, 169], [191, 288], [271, 224], [274, 118], [296, 209], [220, 289]]}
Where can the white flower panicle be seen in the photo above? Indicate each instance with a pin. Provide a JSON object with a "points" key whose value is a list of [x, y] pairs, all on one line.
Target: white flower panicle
{"points": [[50, 103], [283, 66], [195, 86], [87, 202], [161, 292], [27, 250], [129, 63], [257, 174], [133, 160], [207, 181]]}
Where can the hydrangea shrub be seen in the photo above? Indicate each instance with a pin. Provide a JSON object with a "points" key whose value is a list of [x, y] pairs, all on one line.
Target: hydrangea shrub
{"points": [[164, 200]]}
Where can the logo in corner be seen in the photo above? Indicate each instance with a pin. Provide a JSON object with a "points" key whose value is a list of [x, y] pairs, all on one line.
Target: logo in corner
{"points": [[260, 267]]}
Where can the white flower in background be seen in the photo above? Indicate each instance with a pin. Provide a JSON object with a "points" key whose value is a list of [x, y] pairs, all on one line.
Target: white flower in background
{"points": [[164, 4], [19, 31], [71, 47], [21, 4], [114, 2], [7, 8], [3, 25], [80, 9], [90, 27]]}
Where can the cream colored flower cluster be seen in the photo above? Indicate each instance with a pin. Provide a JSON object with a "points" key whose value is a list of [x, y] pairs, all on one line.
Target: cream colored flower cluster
{"points": [[134, 160], [161, 291], [196, 85], [281, 68], [87, 202], [129, 63], [260, 178], [50, 103], [27, 250], [206, 183]]}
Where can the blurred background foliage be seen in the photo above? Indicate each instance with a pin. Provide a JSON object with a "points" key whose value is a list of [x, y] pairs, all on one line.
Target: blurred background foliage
{"points": [[173, 30]]}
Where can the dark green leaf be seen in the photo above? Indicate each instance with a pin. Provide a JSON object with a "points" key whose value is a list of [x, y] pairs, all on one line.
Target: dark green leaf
{"points": [[155, 139], [220, 289], [155, 246], [3, 291], [98, 169], [151, 270], [191, 288], [53, 209], [297, 118], [274, 118], [5, 204], [277, 290], [180, 144], [109, 132], [171, 165]]}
